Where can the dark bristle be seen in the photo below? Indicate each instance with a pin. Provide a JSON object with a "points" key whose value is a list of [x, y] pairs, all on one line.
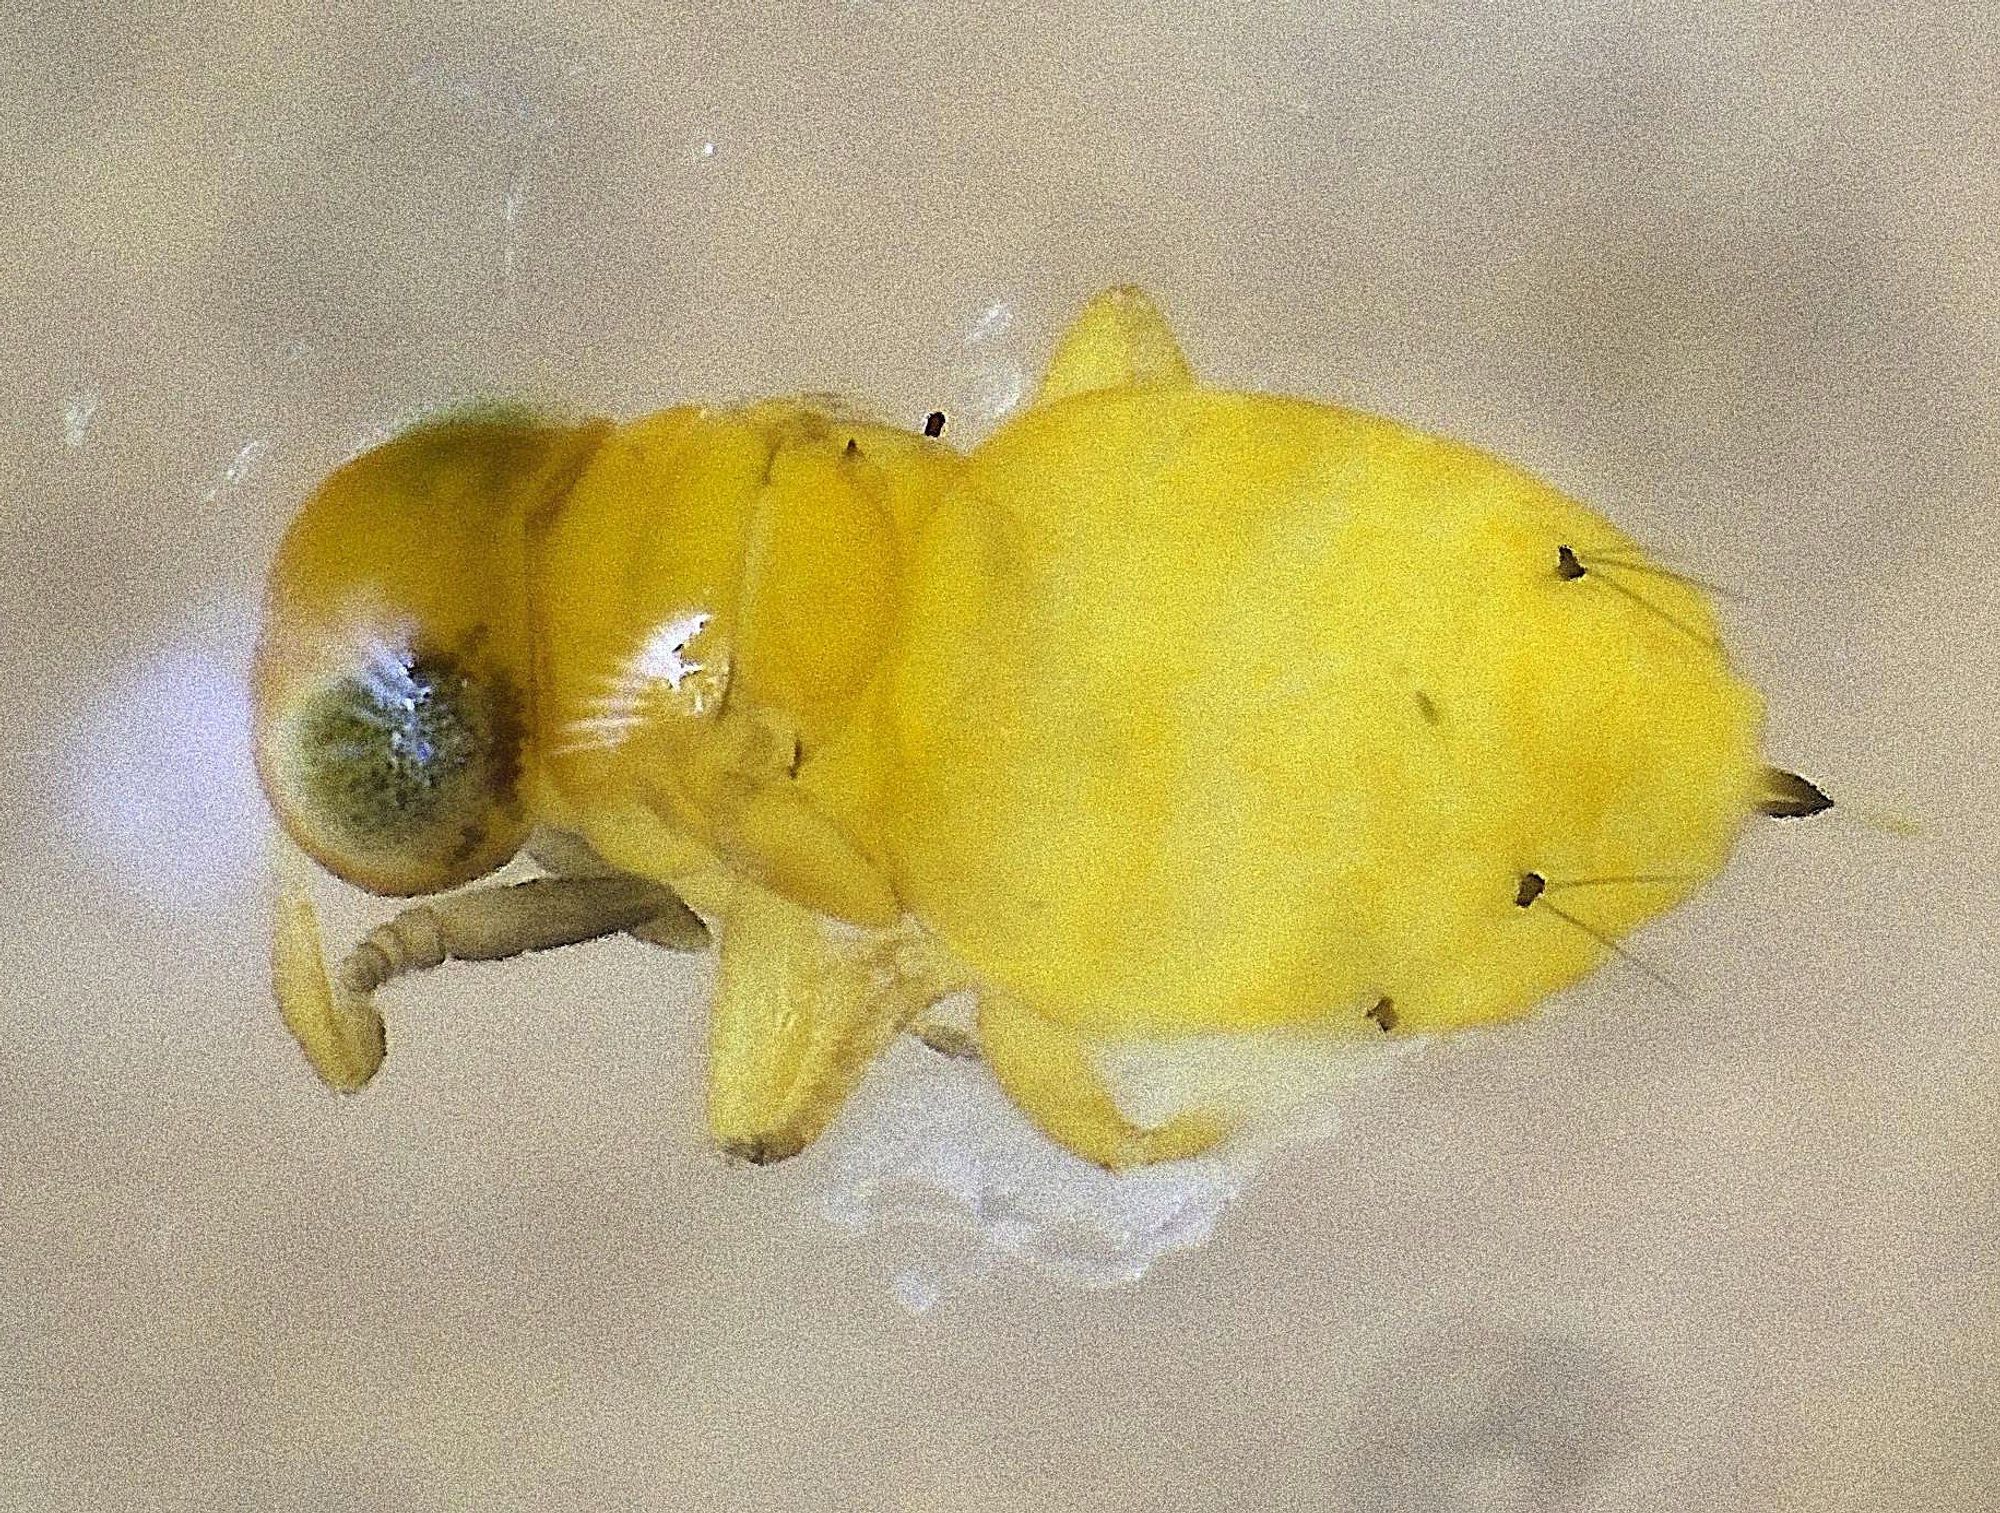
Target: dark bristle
{"points": [[1654, 569], [934, 423], [1533, 886], [1567, 567], [1611, 945], [1787, 796], [1610, 581]]}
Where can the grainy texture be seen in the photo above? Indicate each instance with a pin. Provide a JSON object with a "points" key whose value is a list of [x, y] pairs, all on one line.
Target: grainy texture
{"points": [[1727, 275]]}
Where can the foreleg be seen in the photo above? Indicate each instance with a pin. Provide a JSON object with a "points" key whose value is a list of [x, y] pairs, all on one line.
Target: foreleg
{"points": [[802, 1008]]}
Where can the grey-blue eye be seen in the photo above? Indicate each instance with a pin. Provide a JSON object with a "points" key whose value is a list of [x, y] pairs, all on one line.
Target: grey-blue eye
{"points": [[408, 765]]}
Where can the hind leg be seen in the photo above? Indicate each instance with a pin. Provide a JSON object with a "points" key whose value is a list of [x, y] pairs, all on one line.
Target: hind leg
{"points": [[1046, 1070]]}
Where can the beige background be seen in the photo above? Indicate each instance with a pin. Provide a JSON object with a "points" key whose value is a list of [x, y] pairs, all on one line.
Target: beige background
{"points": [[1727, 274]]}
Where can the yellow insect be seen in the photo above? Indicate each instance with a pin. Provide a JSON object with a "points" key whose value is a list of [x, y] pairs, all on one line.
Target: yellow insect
{"points": [[1163, 712]]}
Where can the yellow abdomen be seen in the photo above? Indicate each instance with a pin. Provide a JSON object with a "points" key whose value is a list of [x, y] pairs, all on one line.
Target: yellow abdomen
{"points": [[1215, 711]]}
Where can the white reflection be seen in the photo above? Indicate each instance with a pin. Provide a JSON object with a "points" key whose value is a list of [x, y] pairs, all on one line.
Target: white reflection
{"points": [[992, 323], [989, 392], [936, 1156], [78, 411], [933, 1155], [247, 457], [990, 376], [620, 705], [161, 789], [664, 655]]}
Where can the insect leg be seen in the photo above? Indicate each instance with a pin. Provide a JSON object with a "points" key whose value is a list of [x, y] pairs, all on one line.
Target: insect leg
{"points": [[563, 853], [1047, 1072], [801, 1010], [340, 1032]]}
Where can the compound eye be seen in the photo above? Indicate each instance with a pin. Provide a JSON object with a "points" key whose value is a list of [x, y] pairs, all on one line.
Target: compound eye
{"points": [[402, 777]]}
